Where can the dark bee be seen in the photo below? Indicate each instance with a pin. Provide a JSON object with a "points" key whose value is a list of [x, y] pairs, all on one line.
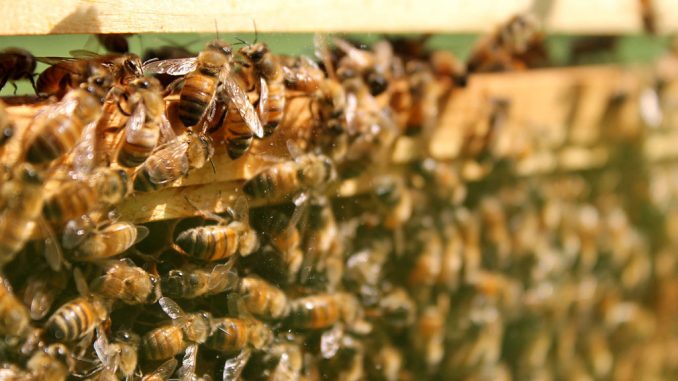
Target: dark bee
{"points": [[16, 64], [114, 42]]}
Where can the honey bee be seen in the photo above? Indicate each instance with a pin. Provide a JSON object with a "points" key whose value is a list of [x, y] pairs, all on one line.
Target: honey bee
{"points": [[67, 74], [145, 124], [425, 93], [163, 372], [192, 281], [56, 130], [78, 197], [221, 241], [428, 334], [14, 317], [107, 240], [307, 172], [41, 290], [53, 363], [281, 361], [516, 45], [271, 87], [231, 335], [321, 311], [386, 364], [302, 74], [206, 76], [78, 317], [262, 299], [128, 283], [323, 248], [119, 356], [114, 42], [172, 161], [171, 339], [16, 64], [372, 66]]}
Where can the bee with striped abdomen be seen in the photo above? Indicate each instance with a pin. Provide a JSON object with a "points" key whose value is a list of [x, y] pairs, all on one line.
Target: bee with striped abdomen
{"points": [[231, 335], [262, 299], [128, 283], [95, 243], [322, 311], [191, 281], [120, 356]]}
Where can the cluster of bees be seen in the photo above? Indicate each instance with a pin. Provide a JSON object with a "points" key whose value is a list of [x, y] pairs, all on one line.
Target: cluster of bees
{"points": [[416, 276]]}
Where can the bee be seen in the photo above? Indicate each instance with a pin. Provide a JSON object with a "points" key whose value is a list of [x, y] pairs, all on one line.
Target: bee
{"points": [[323, 248], [307, 172], [78, 317], [395, 204], [145, 124], [425, 94], [14, 317], [166, 52], [128, 283], [193, 281], [41, 290], [302, 74], [206, 76], [52, 363], [67, 74], [107, 240], [172, 161], [321, 311], [171, 339], [231, 335], [385, 364], [428, 335], [23, 197], [16, 64], [262, 299], [114, 42], [163, 372], [221, 241], [56, 130], [271, 84], [518, 44], [119, 356], [77, 197], [372, 66], [281, 361]]}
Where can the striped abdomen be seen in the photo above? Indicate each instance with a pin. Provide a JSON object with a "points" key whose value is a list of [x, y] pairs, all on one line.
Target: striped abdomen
{"points": [[197, 93], [75, 319], [157, 164], [314, 312], [107, 242], [209, 243], [237, 134], [262, 299], [138, 146], [230, 335], [277, 181], [275, 106], [56, 137], [163, 343], [74, 199]]}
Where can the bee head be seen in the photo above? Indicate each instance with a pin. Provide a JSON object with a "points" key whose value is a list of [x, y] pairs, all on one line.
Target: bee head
{"points": [[155, 293], [128, 337], [220, 47], [255, 52], [132, 65]]}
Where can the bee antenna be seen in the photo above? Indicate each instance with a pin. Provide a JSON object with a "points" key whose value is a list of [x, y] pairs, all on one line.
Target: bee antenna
{"points": [[216, 28], [214, 168], [240, 41], [256, 35]]}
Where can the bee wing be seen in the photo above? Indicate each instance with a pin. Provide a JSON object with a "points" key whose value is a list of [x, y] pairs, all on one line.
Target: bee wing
{"points": [[175, 66], [166, 131], [142, 232], [53, 60], [245, 109], [80, 282], [330, 341], [136, 120], [233, 367], [84, 54], [361, 57], [222, 278], [187, 369], [53, 253], [322, 52], [263, 100], [84, 152], [165, 370], [171, 308], [174, 154], [294, 149]]}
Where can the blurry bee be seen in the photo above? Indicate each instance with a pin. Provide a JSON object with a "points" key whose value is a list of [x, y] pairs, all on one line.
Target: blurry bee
{"points": [[302, 74], [385, 364], [426, 266], [342, 356], [23, 197], [145, 124], [185, 330], [68, 73], [78, 197], [281, 361], [394, 201], [425, 92], [372, 66], [114, 42], [16, 64], [107, 240], [56, 130], [271, 87], [231, 335], [120, 356], [323, 247], [221, 241], [516, 45], [79, 317], [262, 299], [41, 290], [206, 76], [321, 311], [7, 127], [53, 363], [307, 172], [14, 317], [172, 161], [128, 283], [397, 309], [192, 281], [163, 372]]}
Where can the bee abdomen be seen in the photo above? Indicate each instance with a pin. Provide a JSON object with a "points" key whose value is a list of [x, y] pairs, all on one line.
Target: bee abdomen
{"points": [[209, 243], [195, 97], [163, 343], [72, 321], [71, 202], [230, 335], [135, 151], [55, 140]]}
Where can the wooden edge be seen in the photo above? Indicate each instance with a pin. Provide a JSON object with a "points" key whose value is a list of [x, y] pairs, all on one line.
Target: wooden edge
{"points": [[207, 16]]}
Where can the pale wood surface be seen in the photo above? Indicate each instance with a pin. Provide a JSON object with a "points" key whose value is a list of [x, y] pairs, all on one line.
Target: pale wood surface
{"points": [[454, 16]]}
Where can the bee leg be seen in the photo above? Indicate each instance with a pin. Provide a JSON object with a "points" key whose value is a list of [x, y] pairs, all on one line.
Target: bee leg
{"points": [[15, 87], [31, 78]]}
